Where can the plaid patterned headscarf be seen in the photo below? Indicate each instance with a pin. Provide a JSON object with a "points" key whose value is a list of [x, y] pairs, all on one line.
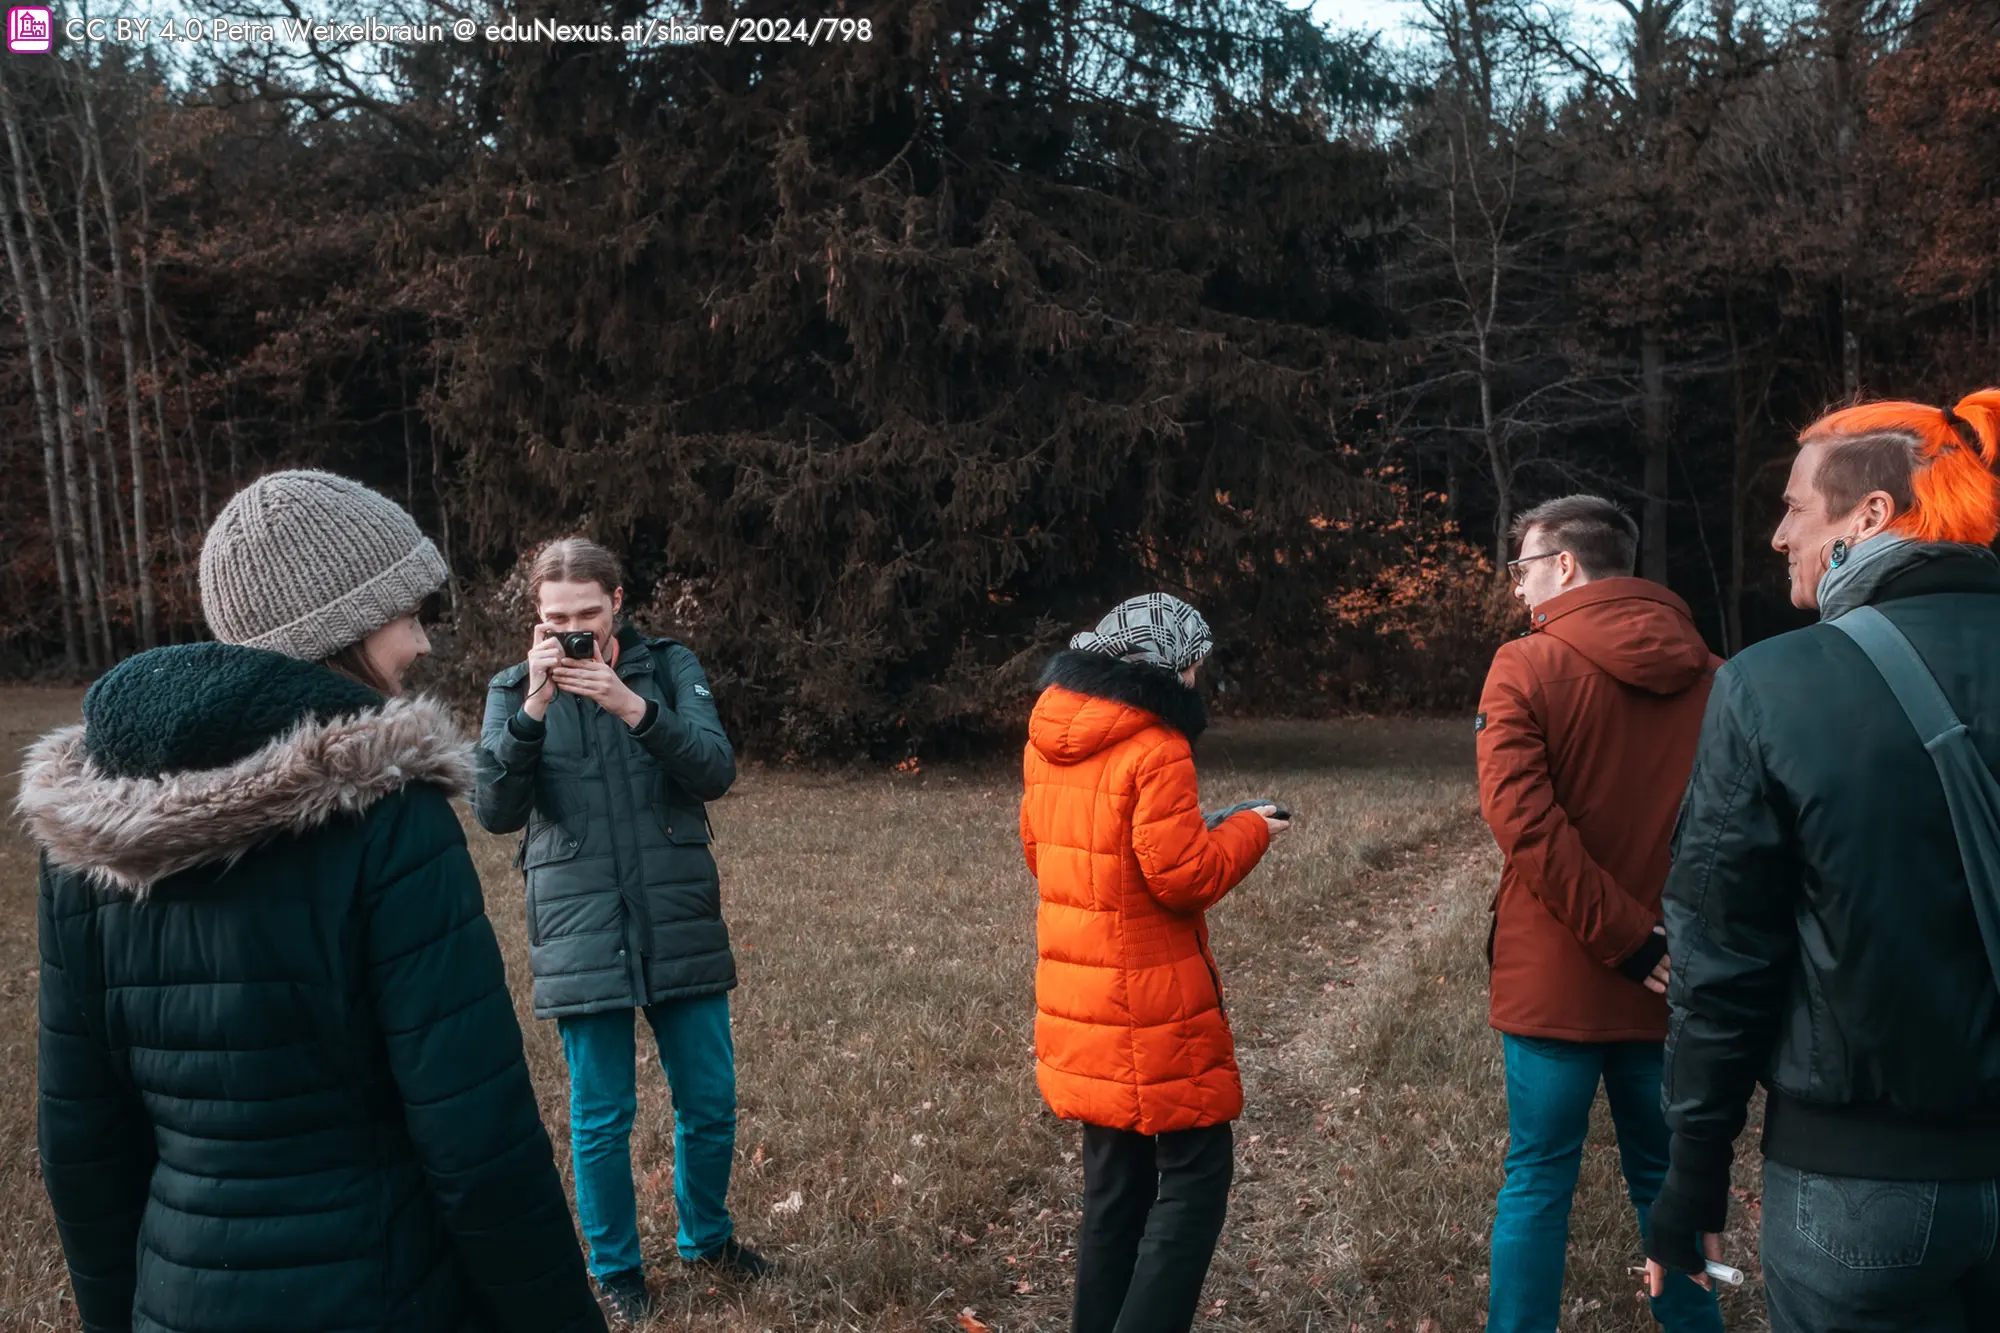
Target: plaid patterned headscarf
{"points": [[1157, 628]]}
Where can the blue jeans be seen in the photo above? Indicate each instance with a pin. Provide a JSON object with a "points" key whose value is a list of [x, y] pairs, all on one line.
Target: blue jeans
{"points": [[1550, 1088], [700, 1063], [1845, 1255]]}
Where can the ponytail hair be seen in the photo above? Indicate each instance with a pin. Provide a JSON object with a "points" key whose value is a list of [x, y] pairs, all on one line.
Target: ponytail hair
{"points": [[1935, 463]]}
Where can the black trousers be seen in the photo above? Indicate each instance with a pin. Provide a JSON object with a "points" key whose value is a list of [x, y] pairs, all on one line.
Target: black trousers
{"points": [[1152, 1211]]}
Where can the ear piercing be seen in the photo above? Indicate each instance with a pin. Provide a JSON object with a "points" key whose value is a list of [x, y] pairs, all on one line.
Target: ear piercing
{"points": [[1838, 556]]}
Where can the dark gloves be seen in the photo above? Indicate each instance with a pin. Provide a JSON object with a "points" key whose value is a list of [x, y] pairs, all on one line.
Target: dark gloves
{"points": [[1640, 965], [1694, 1200]]}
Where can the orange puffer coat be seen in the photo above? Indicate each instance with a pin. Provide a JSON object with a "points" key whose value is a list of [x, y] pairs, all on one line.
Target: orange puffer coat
{"points": [[1129, 1028]]}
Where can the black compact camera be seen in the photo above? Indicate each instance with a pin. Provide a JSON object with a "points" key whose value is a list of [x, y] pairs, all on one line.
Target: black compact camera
{"points": [[580, 643]]}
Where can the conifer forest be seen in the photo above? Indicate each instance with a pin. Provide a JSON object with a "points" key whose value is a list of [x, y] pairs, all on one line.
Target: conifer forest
{"points": [[889, 361]]}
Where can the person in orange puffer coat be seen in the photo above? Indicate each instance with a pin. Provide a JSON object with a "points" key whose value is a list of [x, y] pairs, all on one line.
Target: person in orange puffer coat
{"points": [[1130, 1033]]}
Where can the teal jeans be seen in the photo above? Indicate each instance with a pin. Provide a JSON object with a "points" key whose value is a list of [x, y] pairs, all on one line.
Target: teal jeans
{"points": [[1550, 1088], [700, 1063]]}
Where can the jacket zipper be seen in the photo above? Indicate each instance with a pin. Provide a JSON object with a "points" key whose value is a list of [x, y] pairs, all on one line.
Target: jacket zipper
{"points": [[634, 924], [587, 723], [583, 723]]}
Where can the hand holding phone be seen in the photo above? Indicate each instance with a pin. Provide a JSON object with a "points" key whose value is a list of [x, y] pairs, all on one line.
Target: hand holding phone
{"points": [[1267, 806]]}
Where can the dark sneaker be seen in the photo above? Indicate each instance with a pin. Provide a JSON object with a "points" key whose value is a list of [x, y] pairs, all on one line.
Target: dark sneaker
{"points": [[737, 1260], [627, 1295]]}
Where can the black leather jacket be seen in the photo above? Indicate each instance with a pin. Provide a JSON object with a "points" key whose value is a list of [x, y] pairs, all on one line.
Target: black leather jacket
{"points": [[1818, 917]]}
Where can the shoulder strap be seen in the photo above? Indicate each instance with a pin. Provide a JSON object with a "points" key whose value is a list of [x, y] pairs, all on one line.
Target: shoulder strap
{"points": [[1914, 685], [1971, 794]]}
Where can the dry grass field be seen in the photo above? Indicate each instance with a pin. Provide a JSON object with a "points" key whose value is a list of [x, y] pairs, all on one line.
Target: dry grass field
{"points": [[893, 1153]]}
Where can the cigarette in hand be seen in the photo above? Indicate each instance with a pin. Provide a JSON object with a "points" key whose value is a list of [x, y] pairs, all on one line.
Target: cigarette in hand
{"points": [[1719, 1271]]}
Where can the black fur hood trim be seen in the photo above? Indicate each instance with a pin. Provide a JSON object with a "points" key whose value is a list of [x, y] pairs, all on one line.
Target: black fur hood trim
{"points": [[1152, 689]]}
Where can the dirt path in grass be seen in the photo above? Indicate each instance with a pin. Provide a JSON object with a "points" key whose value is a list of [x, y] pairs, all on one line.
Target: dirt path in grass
{"points": [[1328, 1159], [1371, 1152]]}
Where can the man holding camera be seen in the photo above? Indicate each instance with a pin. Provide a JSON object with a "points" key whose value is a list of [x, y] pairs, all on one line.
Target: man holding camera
{"points": [[604, 745], [1586, 733]]}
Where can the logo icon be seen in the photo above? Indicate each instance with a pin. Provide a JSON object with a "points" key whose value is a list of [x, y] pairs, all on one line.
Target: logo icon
{"points": [[30, 28]]}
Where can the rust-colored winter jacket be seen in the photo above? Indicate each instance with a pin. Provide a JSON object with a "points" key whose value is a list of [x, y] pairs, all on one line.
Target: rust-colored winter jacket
{"points": [[1129, 1028], [1586, 735]]}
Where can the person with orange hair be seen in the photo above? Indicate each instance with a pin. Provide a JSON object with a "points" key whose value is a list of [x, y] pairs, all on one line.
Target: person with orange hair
{"points": [[1822, 925]]}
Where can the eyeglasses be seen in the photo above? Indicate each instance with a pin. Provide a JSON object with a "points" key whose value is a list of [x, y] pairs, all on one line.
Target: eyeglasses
{"points": [[1516, 573]]}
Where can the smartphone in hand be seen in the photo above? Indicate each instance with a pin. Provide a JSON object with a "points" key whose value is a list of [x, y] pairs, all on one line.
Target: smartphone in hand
{"points": [[1214, 818]]}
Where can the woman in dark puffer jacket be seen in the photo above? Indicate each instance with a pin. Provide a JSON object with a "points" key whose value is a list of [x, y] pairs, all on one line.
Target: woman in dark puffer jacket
{"points": [[281, 1077]]}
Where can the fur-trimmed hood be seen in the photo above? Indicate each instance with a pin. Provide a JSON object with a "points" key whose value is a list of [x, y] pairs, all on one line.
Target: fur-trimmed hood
{"points": [[128, 830], [1091, 701]]}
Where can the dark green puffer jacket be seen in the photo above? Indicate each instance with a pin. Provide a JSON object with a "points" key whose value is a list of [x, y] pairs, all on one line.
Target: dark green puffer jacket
{"points": [[281, 1078], [624, 903]]}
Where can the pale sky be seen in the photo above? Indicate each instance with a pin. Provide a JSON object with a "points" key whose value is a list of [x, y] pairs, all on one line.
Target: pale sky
{"points": [[1389, 16]]}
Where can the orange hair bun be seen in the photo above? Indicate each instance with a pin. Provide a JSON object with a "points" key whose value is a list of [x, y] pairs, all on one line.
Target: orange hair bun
{"points": [[1953, 493]]}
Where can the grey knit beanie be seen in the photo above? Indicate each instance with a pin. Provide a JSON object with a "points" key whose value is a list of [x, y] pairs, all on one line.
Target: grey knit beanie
{"points": [[307, 563]]}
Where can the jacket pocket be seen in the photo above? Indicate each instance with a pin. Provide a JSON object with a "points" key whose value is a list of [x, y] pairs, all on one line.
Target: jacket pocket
{"points": [[1215, 979], [685, 826], [1867, 1224], [549, 845], [1493, 926]]}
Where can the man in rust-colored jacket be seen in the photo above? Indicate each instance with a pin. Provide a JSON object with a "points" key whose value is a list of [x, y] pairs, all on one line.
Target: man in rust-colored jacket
{"points": [[1586, 733]]}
